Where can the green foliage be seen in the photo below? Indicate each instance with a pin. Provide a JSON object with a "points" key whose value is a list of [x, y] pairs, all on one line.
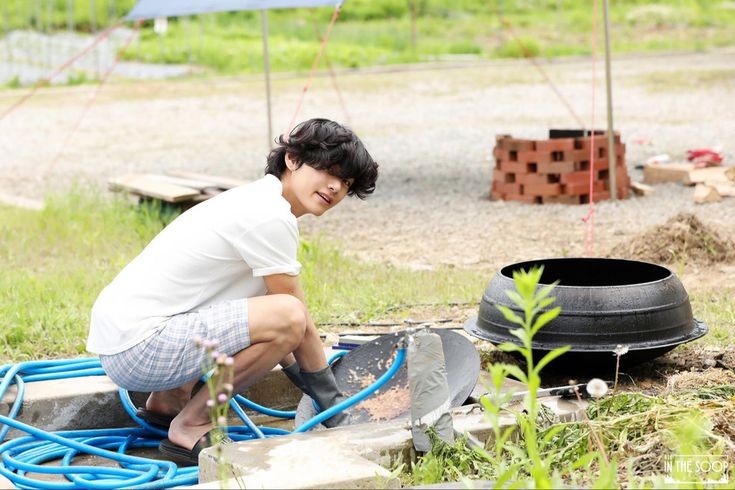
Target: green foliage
{"points": [[370, 32]]}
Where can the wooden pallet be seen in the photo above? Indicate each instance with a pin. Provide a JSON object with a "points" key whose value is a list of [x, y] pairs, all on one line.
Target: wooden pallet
{"points": [[177, 187]]}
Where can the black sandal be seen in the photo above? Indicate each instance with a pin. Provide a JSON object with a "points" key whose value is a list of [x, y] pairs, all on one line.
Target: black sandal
{"points": [[190, 457], [154, 418]]}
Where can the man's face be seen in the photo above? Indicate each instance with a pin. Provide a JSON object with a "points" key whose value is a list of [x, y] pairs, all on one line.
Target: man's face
{"points": [[313, 191]]}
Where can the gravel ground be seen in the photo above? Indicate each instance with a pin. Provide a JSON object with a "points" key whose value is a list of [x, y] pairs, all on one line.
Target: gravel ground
{"points": [[432, 128]]}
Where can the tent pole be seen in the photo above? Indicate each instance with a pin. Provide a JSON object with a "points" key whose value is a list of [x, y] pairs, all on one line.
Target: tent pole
{"points": [[267, 66], [611, 154]]}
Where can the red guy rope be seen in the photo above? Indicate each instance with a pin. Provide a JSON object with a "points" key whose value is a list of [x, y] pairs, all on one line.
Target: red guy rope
{"points": [[103, 81], [313, 69], [528, 55], [42, 83], [333, 77]]}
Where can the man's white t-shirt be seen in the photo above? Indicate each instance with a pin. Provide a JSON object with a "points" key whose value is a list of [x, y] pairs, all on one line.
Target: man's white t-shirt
{"points": [[217, 251]]}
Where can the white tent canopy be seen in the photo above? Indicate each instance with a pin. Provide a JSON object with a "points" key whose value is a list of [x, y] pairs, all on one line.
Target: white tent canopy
{"points": [[149, 9]]}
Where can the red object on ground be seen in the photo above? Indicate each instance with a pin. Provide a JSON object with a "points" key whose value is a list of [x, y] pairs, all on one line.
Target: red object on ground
{"points": [[705, 157]]}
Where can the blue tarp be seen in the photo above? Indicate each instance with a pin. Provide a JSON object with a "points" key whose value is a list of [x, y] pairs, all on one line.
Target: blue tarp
{"points": [[149, 9]]}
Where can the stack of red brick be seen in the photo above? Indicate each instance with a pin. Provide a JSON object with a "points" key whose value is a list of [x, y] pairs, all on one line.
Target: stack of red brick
{"points": [[556, 170]]}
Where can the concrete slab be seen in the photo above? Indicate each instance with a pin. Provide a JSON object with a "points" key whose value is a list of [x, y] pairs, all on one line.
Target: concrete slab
{"points": [[283, 462]]}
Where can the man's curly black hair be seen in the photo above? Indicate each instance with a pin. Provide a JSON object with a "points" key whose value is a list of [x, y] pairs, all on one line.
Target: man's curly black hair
{"points": [[326, 145]]}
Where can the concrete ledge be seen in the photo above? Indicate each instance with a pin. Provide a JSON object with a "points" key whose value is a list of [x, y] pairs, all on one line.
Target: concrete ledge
{"points": [[356, 456], [93, 402]]}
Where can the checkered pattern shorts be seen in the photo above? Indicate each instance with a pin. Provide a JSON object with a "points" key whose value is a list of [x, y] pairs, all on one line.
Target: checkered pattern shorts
{"points": [[169, 358]]}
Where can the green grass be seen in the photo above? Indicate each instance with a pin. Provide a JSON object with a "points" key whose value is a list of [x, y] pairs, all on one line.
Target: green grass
{"points": [[54, 263], [377, 32], [638, 432], [670, 80], [716, 308]]}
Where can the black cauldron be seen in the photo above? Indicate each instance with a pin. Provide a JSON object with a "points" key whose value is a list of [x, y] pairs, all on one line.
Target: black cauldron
{"points": [[605, 303]]}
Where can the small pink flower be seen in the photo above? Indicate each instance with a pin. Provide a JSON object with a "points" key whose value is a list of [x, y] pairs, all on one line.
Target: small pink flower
{"points": [[229, 361], [222, 398], [210, 344], [198, 340], [215, 354], [210, 403], [228, 387], [221, 359], [221, 420]]}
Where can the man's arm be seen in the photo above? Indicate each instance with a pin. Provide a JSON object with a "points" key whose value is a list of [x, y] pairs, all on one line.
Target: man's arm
{"points": [[310, 354]]}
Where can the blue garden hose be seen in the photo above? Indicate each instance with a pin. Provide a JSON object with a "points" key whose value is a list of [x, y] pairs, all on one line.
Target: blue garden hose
{"points": [[24, 455]]}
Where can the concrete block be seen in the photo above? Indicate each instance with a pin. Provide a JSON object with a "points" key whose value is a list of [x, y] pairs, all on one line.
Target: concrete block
{"points": [[528, 199], [580, 177], [582, 188], [563, 199], [542, 189], [556, 167], [507, 142], [534, 179], [514, 167], [537, 157], [505, 177], [512, 188], [555, 144]]}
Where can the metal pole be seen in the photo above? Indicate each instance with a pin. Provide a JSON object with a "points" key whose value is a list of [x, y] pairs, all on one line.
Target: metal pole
{"points": [[611, 154], [267, 66]]}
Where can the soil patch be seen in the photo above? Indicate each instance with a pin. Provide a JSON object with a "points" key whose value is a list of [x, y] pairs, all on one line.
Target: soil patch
{"points": [[683, 238]]}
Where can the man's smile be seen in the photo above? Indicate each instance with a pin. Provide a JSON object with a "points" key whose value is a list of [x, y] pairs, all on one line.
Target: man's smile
{"points": [[325, 198]]}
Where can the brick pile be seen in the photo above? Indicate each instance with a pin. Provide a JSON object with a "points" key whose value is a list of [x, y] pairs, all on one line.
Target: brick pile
{"points": [[556, 170]]}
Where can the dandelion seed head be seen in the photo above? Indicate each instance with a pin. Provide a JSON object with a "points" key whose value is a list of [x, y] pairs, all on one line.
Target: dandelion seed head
{"points": [[596, 388], [621, 350]]}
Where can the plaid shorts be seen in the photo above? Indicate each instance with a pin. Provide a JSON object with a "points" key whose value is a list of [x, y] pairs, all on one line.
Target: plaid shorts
{"points": [[169, 358]]}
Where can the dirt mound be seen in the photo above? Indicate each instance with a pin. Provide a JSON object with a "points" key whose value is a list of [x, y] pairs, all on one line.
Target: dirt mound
{"points": [[682, 238]]}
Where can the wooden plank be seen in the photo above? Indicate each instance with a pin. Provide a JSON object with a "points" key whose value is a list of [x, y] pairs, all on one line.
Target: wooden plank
{"points": [[140, 184], [711, 175], [641, 189], [199, 185], [704, 193], [725, 189], [220, 181], [656, 173]]}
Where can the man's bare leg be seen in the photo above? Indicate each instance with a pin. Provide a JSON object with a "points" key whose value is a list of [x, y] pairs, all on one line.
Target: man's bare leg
{"points": [[277, 324], [170, 402]]}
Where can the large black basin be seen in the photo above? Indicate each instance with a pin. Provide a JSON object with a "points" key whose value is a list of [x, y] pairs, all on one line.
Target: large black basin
{"points": [[604, 303]]}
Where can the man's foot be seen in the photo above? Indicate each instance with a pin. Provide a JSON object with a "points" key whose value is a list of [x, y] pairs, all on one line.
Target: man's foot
{"points": [[170, 402]]}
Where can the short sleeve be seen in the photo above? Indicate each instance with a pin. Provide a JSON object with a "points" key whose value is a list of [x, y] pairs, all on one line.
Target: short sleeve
{"points": [[270, 248]]}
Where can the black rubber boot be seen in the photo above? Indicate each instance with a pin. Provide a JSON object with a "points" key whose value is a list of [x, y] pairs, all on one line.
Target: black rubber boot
{"points": [[322, 387], [293, 373]]}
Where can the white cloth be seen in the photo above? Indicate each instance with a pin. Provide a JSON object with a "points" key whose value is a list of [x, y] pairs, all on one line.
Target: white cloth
{"points": [[217, 251]]}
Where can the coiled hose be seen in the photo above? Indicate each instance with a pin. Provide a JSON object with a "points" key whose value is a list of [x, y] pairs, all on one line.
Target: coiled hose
{"points": [[28, 455]]}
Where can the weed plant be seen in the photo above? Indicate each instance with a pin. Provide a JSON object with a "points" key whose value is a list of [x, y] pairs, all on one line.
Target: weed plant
{"points": [[623, 440]]}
